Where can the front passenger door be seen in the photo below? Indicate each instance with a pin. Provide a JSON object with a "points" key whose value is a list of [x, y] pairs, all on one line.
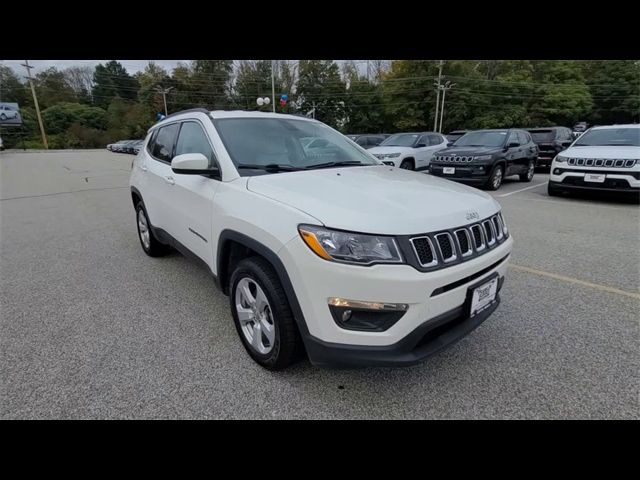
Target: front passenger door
{"points": [[191, 196]]}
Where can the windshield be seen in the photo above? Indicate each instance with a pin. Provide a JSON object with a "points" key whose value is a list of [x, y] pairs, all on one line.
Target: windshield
{"points": [[253, 143], [610, 136], [401, 140], [540, 136], [489, 138]]}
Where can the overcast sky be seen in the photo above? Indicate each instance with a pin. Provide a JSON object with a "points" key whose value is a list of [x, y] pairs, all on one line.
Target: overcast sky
{"points": [[132, 66]]}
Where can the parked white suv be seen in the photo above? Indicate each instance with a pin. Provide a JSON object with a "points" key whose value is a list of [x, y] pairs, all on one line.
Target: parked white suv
{"points": [[6, 113], [411, 151], [325, 251], [603, 158]]}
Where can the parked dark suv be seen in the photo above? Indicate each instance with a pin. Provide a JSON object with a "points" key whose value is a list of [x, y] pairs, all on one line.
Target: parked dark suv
{"points": [[368, 141], [455, 135], [550, 141], [485, 157]]}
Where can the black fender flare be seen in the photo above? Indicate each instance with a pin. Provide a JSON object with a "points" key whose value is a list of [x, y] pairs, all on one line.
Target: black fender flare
{"points": [[231, 235]]}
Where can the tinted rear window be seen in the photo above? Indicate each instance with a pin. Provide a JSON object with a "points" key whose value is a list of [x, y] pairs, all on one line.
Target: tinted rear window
{"points": [[540, 136]]}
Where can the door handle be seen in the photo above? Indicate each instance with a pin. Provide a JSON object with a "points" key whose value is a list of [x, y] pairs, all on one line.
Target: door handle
{"points": [[143, 168], [170, 180]]}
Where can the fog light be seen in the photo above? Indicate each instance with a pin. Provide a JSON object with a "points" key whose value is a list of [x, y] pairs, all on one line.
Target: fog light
{"points": [[362, 315], [556, 171]]}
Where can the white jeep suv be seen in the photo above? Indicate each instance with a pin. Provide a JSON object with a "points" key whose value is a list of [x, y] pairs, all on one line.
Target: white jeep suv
{"points": [[411, 151], [603, 158], [322, 252]]}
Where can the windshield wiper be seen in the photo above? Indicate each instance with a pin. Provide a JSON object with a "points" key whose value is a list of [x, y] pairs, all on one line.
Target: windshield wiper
{"points": [[271, 167], [344, 163]]}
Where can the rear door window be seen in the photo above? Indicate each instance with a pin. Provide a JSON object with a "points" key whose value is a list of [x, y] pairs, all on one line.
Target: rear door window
{"points": [[164, 142]]}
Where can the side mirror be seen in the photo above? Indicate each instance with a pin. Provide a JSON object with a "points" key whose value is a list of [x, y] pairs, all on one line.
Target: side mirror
{"points": [[420, 145], [193, 164], [566, 144], [513, 144], [450, 144]]}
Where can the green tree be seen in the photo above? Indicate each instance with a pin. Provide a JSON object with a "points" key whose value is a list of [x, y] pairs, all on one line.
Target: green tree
{"points": [[61, 116], [150, 79], [320, 86], [363, 103], [112, 80], [253, 80], [52, 87], [12, 89], [615, 89]]}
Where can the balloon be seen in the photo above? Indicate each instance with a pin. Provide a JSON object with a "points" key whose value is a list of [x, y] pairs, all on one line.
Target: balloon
{"points": [[284, 97], [260, 101], [267, 100]]}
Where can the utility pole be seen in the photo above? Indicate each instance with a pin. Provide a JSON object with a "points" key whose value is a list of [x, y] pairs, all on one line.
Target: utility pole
{"points": [[164, 92], [314, 110], [273, 89], [444, 88], [35, 102], [437, 85]]}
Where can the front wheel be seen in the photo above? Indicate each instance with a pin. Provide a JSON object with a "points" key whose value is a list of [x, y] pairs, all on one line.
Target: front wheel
{"points": [[406, 165], [495, 180], [528, 176], [262, 314]]}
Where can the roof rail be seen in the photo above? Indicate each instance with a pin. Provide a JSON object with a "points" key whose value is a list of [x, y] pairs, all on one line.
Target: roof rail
{"points": [[198, 109]]}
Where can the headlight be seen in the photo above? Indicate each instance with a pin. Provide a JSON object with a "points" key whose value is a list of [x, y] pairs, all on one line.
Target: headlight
{"points": [[393, 155], [560, 159], [505, 230], [483, 157], [350, 247]]}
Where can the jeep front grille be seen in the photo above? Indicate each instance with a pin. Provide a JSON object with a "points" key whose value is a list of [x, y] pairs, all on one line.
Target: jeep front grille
{"points": [[424, 250], [439, 249], [601, 162]]}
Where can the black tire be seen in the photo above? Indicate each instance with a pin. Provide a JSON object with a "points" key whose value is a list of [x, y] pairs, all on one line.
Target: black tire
{"points": [[552, 191], [3, 116], [528, 176], [155, 248], [495, 183], [407, 165], [287, 345]]}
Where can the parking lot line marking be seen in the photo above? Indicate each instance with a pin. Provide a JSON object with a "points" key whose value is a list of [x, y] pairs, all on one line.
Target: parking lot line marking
{"points": [[522, 189], [572, 203], [577, 281], [60, 193]]}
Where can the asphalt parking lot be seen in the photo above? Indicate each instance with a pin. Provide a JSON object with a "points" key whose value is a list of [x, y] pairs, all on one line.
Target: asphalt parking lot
{"points": [[93, 328]]}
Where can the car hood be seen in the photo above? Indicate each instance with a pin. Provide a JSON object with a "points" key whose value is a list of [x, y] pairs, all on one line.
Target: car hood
{"points": [[470, 150], [377, 199], [626, 152], [389, 149]]}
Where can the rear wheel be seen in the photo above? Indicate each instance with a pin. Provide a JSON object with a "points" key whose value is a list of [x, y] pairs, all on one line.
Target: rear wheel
{"points": [[262, 314], [495, 179], [149, 242], [528, 176]]}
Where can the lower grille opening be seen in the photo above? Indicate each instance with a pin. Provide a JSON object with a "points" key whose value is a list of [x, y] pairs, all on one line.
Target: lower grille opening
{"points": [[470, 278]]}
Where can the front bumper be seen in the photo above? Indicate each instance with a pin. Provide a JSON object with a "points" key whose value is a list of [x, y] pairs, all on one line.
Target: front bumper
{"points": [[573, 179], [315, 280], [469, 174], [426, 340]]}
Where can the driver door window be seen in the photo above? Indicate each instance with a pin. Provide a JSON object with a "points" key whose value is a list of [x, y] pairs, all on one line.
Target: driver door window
{"points": [[192, 139]]}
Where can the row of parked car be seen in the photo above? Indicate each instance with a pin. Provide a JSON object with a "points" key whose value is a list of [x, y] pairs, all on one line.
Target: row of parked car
{"points": [[478, 157], [126, 146]]}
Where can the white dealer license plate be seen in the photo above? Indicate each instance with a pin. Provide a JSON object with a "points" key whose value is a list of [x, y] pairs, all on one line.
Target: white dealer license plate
{"points": [[483, 296], [594, 177], [449, 170]]}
